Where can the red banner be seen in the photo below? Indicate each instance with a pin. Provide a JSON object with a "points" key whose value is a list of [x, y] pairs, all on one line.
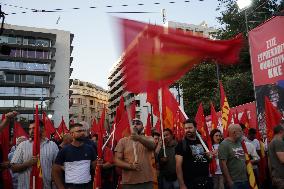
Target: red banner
{"points": [[251, 113], [267, 52], [267, 59]]}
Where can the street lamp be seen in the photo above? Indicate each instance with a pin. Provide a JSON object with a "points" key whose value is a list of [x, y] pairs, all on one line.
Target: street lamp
{"points": [[243, 5]]}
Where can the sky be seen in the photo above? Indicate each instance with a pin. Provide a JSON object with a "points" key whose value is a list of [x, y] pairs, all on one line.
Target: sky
{"points": [[96, 38]]}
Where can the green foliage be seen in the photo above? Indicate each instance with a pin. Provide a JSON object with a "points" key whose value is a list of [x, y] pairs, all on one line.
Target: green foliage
{"points": [[201, 84]]}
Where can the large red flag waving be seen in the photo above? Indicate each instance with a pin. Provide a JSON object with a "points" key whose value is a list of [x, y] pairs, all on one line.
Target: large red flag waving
{"points": [[272, 118], [156, 57], [36, 180]]}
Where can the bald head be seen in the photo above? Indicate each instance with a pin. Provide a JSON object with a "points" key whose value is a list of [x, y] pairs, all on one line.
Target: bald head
{"points": [[235, 131]]}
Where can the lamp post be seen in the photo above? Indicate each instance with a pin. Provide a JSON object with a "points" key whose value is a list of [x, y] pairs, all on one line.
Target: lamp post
{"points": [[244, 5]]}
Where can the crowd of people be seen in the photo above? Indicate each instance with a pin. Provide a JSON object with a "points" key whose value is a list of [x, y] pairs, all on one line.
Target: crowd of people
{"points": [[148, 162]]}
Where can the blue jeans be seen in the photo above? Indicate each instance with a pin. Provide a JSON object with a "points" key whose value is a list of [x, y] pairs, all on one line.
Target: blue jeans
{"points": [[170, 184], [241, 185]]}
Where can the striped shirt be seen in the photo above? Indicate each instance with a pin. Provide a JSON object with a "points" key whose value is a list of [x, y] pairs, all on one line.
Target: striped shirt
{"points": [[23, 153]]}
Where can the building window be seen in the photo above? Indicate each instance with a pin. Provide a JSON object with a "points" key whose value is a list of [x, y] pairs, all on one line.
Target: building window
{"points": [[38, 79], [91, 102], [45, 79], [42, 42], [3, 39], [17, 78], [30, 78], [24, 78], [31, 41], [10, 77], [12, 40], [19, 40]]}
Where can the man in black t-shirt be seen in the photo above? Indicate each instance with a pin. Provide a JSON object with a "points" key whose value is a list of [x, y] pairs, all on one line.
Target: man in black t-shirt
{"points": [[192, 162], [76, 159]]}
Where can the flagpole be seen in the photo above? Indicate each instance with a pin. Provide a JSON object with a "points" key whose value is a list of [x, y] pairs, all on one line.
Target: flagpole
{"points": [[161, 118], [112, 133]]}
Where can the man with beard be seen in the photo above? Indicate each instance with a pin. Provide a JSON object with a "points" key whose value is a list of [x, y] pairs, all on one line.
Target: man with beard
{"points": [[76, 159], [192, 162], [232, 159], [23, 159], [137, 173]]}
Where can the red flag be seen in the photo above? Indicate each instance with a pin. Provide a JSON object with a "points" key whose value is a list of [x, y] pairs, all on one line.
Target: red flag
{"points": [[95, 127], [236, 117], [203, 129], [225, 110], [18, 132], [122, 127], [156, 57], [36, 180], [213, 164], [119, 110], [179, 130], [170, 108], [158, 125], [108, 155], [153, 99], [214, 118], [48, 126], [272, 118], [61, 130], [148, 126], [5, 146], [133, 109], [101, 131], [200, 121], [244, 120], [251, 176]]}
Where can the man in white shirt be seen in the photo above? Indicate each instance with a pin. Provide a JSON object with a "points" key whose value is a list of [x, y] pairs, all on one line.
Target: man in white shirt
{"points": [[23, 159]]}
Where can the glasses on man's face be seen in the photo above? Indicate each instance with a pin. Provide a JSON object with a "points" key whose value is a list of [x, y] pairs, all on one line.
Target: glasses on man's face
{"points": [[136, 122]]}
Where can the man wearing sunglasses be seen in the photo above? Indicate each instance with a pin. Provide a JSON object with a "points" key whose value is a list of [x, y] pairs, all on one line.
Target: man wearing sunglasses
{"points": [[133, 155]]}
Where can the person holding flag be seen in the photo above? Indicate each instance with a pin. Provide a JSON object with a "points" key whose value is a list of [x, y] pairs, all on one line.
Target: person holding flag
{"points": [[192, 160], [133, 155], [23, 158], [6, 121], [167, 165]]}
